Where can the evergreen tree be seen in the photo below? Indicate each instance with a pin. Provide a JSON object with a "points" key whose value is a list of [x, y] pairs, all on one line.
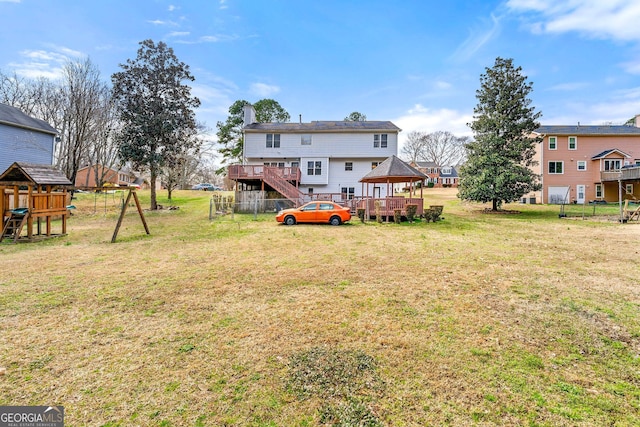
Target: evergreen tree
{"points": [[499, 160], [230, 132], [156, 110]]}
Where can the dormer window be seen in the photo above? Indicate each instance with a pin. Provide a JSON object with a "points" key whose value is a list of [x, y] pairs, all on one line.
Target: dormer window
{"points": [[446, 171]]}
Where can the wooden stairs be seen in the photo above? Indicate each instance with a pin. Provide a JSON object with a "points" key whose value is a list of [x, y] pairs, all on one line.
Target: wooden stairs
{"points": [[283, 186], [14, 224]]}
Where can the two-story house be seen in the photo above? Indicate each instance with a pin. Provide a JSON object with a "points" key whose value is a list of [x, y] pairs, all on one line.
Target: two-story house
{"points": [[301, 160], [439, 176], [24, 138], [580, 163]]}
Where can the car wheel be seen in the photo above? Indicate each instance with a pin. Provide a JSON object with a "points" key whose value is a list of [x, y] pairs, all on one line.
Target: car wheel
{"points": [[289, 220], [335, 220]]}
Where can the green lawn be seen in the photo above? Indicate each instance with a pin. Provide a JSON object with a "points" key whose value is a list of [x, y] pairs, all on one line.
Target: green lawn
{"points": [[479, 319]]}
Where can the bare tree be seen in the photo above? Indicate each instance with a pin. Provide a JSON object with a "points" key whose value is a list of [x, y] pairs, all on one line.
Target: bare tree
{"points": [[444, 148], [103, 152], [82, 90], [414, 149]]}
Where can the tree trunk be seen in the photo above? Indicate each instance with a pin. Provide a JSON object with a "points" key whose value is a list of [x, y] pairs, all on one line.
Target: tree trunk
{"points": [[495, 204], [154, 204]]}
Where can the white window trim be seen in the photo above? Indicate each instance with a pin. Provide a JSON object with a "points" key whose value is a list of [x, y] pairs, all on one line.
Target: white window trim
{"points": [[569, 143], [601, 196], [626, 188], [555, 161], [555, 138], [578, 165]]}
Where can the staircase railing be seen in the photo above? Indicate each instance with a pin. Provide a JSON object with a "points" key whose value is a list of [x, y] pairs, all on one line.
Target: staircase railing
{"points": [[273, 177]]}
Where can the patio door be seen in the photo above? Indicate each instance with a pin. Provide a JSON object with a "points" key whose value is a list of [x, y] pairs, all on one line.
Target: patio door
{"points": [[580, 190], [376, 192]]}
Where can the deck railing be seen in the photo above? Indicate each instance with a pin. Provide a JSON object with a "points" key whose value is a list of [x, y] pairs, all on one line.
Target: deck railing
{"points": [[257, 172], [622, 174]]}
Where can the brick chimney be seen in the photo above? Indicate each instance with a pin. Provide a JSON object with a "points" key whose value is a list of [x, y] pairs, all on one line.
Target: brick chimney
{"points": [[637, 120]]}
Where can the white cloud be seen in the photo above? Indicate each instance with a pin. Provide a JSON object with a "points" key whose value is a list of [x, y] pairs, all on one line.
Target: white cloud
{"points": [[568, 87], [223, 4], [477, 39], [632, 67], [10, 1], [161, 22], [422, 119], [44, 63], [262, 89], [178, 34], [610, 19], [171, 8]]}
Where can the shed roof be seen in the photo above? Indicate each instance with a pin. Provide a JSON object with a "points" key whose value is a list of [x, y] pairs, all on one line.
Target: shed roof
{"points": [[323, 126], [20, 173], [394, 170], [12, 116]]}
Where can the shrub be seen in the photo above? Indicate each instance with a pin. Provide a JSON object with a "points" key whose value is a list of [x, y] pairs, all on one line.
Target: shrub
{"points": [[361, 212], [397, 215], [411, 212]]}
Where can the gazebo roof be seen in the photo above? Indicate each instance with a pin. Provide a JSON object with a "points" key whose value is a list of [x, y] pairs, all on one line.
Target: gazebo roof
{"points": [[20, 173], [394, 170]]}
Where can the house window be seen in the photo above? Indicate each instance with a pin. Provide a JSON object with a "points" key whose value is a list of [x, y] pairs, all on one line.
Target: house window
{"points": [[305, 139], [553, 143], [599, 191], [374, 165], [273, 140], [573, 143], [613, 164], [582, 165], [446, 171], [310, 191], [295, 164], [380, 140], [629, 188], [348, 166], [348, 192], [555, 167], [314, 168]]}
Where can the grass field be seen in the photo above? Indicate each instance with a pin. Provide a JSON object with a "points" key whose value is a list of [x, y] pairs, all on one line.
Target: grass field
{"points": [[479, 319]]}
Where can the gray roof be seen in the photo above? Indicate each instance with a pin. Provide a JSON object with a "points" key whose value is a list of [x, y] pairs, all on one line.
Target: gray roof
{"points": [[426, 164], [323, 126], [453, 174], [30, 173], [394, 170], [605, 153], [12, 116], [589, 130]]}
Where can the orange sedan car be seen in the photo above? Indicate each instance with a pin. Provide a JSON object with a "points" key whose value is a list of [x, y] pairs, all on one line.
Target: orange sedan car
{"points": [[319, 212]]}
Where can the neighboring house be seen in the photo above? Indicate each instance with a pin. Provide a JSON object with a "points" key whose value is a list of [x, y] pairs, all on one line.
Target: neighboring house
{"points": [[327, 157], [24, 138], [440, 176], [585, 163], [86, 176]]}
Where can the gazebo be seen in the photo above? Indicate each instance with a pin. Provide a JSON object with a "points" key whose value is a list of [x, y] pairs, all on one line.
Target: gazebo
{"points": [[392, 171], [32, 191]]}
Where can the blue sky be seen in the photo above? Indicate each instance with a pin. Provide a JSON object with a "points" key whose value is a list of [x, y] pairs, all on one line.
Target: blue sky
{"points": [[416, 63]]}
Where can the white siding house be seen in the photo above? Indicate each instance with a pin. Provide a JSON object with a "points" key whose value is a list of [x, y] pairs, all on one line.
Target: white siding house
{"points": [[332, 155]]}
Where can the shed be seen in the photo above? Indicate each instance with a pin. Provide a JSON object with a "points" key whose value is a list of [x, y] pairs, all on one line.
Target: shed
{"points": [[32, 191]]}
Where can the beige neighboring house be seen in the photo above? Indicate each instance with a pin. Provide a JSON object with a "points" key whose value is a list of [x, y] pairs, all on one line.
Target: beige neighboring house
{"points": [[581, 164]]}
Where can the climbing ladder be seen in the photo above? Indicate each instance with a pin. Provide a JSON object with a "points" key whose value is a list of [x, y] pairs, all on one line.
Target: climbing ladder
{"points": [[13, 225]]}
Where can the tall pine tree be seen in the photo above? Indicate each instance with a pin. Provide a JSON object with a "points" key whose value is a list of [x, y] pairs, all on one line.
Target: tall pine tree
{"points": [[500, 159]]}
